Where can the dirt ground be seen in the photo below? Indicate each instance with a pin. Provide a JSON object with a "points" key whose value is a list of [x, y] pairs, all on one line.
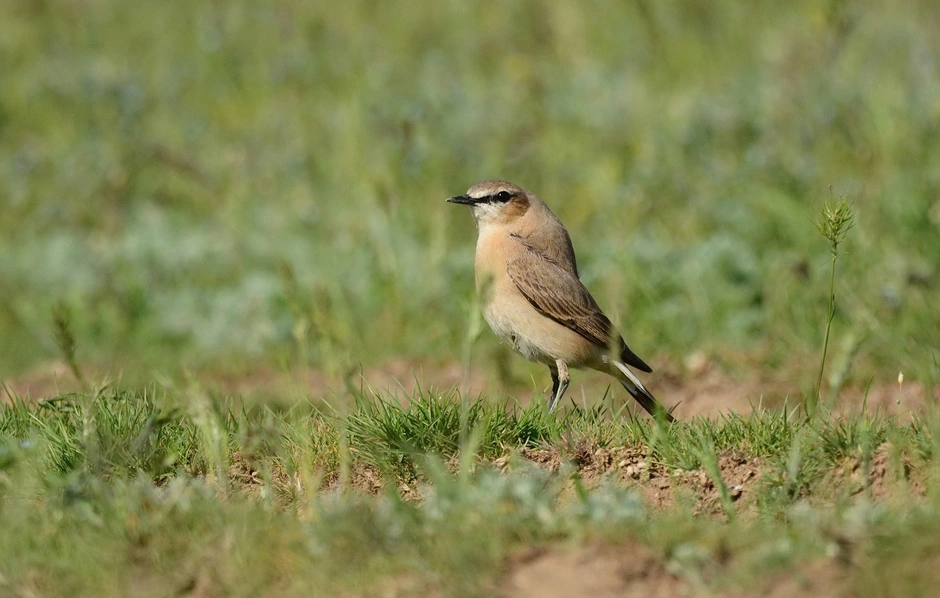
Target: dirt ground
{"points": [[632, 570], [660, 486], [697, 387], [629, 568]]}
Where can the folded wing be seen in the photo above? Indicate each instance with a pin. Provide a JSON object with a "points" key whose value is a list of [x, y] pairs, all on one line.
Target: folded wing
{"points": [[558, 294]]}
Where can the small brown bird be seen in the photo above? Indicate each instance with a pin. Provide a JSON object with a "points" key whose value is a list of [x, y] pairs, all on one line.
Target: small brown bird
{"points": [[528, 279]]}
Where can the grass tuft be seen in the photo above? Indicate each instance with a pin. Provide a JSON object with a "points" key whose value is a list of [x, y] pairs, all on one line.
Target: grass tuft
{"points": [[175, 491]]}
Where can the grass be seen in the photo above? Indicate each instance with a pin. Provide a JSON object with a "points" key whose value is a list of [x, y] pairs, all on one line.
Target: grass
{"points": [[136, 479], [197, 194], [834, 224]]}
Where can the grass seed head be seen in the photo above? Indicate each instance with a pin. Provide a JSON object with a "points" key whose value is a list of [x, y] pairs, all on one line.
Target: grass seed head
{"points": [[836, 219]]}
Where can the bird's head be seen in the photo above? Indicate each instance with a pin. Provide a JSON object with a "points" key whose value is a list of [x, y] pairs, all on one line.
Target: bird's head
{"points": [[495, 202]]}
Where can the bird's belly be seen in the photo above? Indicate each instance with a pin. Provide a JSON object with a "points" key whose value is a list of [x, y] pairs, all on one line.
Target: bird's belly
{"points": [[537, 337]]}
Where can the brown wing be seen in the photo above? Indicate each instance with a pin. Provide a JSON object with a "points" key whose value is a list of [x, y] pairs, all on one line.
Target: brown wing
{"points": [[558, 294]]}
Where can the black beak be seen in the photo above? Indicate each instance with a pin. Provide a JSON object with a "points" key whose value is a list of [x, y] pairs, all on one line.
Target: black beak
{"points": [[462, 199]]}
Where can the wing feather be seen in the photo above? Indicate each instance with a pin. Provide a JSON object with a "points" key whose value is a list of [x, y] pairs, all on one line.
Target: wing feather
{"points": [[558, 294]]}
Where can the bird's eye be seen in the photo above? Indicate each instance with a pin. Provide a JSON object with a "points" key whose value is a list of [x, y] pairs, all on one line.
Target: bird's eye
{"points": [[503, 196]]}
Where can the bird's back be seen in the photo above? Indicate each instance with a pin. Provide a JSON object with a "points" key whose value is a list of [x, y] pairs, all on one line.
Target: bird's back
{"points": [[544, 232]]}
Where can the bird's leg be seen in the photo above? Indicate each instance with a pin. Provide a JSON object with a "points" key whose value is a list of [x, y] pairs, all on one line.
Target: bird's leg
{"points": [[554, 371], [559, 383]]}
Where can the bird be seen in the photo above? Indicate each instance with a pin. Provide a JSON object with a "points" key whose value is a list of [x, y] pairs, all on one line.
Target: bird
{"points": [[527, 277]]}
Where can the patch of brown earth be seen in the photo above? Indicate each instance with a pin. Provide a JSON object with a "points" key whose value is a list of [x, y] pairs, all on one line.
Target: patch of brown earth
{"points": [[825, 577], [362, 478], [886, 475], [635, 570], [399, 378], [242, 474], [889, 397], [698, 386], [599, 571], [549, 459], [660, 486], [702, 388], [366, 479], [47, 380], [246, 475]]}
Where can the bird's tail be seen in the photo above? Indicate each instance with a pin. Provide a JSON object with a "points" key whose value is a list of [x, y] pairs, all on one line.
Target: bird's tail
{"points": [[636, 389]]}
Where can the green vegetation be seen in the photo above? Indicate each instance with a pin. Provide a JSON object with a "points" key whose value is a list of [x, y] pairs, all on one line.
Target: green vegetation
{"points": [[118, 493], [834, 223], [207, 185], [199, 194]]}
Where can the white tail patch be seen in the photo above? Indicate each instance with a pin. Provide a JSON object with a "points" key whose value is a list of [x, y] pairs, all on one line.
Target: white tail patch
{"points": [[631, 377]]}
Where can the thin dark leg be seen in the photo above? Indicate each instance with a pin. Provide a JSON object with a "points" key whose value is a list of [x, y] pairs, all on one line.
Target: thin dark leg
{"points": [[554, 372], [559, 383]]}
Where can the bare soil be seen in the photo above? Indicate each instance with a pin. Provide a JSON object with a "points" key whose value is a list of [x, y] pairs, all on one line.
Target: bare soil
{"points": [[697, 387], [824, 577], [887, 475], [660, 486], [632, 569], [602, 571]]}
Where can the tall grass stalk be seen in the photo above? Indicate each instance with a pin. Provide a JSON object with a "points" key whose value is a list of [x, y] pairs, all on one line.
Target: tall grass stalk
{"points": [[62, 324], [835, 220]]}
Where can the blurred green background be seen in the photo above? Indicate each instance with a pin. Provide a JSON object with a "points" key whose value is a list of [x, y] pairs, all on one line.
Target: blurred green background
{"points": [[209, 186]]}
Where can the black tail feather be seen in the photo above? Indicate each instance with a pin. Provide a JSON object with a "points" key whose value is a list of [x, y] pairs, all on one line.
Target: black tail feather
{"points": [[648, 402]]}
